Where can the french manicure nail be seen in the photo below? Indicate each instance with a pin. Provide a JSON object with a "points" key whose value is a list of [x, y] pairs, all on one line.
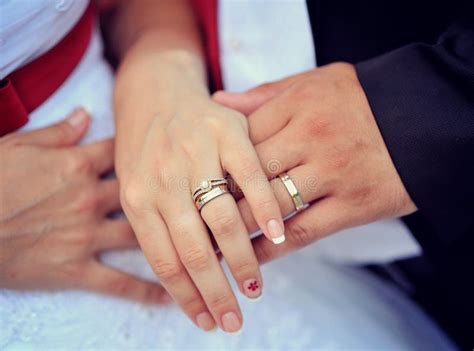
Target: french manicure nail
{"points": [[276, 231], [252, 288], [231, 323], [205, 321]]}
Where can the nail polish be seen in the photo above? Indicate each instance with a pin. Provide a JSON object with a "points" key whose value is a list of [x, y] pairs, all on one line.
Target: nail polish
{"points": [[276, 231], [252, 288]]}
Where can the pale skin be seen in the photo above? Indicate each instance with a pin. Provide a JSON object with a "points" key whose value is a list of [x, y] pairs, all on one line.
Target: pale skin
{"points": [[319, 126], [53, 214], [170, 137]]}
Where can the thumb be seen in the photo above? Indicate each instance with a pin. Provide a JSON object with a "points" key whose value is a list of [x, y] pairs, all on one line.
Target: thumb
{"points": [[250, 100], [67, 132]]}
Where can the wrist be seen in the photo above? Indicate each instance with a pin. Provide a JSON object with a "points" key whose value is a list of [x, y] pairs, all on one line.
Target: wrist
{"points": [[175, 65]]}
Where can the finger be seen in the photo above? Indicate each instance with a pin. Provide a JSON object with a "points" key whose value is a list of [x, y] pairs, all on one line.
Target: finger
{"points": [[318, 221], [195, 250], [114, 234], [250, 100], [269, 119], [223, 218], [308, 185], [240, 160], [109, 195], [100, 154], [280, 152], [247, 102], [106, 280], [65, 133], [265, 116], [160, 252]]}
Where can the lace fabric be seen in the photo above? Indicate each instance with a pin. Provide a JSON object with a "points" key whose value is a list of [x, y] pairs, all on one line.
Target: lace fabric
{"points": [[308, 303]]}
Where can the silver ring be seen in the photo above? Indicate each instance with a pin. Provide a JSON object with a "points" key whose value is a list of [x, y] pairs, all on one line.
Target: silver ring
{"points": [[293, 191], [210, 195]]}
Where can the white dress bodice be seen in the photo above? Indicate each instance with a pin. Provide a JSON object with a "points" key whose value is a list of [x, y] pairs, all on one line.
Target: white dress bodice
{"points": [[309, 302]]}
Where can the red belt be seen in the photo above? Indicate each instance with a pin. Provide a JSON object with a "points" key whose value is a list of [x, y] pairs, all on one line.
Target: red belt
{"points": [[29, 86], [206, 12]]}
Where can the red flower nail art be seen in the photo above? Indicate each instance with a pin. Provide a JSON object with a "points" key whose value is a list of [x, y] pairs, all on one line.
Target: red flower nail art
{"points": [[253, 286]]}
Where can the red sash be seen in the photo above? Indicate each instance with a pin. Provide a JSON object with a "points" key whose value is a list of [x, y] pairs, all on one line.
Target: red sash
{"points": [[29, 86], [206, 11]]}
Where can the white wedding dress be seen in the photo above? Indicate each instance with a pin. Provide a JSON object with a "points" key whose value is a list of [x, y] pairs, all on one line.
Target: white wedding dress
{"points": [[311, 299]]}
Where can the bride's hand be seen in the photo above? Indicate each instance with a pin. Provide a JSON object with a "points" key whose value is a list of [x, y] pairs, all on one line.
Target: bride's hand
{"points": [[53, 208], [170, 137]]}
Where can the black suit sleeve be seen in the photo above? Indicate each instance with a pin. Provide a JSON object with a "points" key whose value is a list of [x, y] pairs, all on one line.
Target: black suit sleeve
{"points": [[422, 97]]}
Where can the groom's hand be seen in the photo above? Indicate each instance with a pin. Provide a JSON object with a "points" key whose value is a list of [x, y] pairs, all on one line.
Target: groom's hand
{"points": [[319, 128]]}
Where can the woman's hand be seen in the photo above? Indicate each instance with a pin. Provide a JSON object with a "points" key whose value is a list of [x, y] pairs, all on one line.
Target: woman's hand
{"points": [[53, 207], [319, 128], [170, 137]]}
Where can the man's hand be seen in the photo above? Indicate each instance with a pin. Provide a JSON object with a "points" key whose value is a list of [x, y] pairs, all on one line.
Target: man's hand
{"points": [[53, 214], [319, 128]]}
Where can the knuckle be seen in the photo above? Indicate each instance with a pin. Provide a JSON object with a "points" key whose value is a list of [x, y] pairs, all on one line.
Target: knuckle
{"points": [[240, 119], [339, 159], [266, 208], [304, 89], [87, 201], [299, 235], [82, 238], [223, 223], [120, 286], [245, 268], [316, 127], [79, 164], [196, 259], [167, 271], [220, 302], [73, 272], [361, 196], [181, 226], [192, 304], [213, 122], [250, 171], [64, 132], [152, 293], [133, 198]]}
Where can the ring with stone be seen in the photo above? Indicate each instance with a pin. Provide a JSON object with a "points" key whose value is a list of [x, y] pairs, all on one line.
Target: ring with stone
{"points": [[207, 185]]}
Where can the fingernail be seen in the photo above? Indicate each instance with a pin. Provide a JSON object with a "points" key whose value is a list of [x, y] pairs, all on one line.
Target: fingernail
{"points": [[231, 323], [77, 117], [252, 288], [205, 321], [276, 231]]}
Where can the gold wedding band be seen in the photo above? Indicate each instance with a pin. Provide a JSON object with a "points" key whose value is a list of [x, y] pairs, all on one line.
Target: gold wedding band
{"points": [[293, 191], [208, 190]]}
